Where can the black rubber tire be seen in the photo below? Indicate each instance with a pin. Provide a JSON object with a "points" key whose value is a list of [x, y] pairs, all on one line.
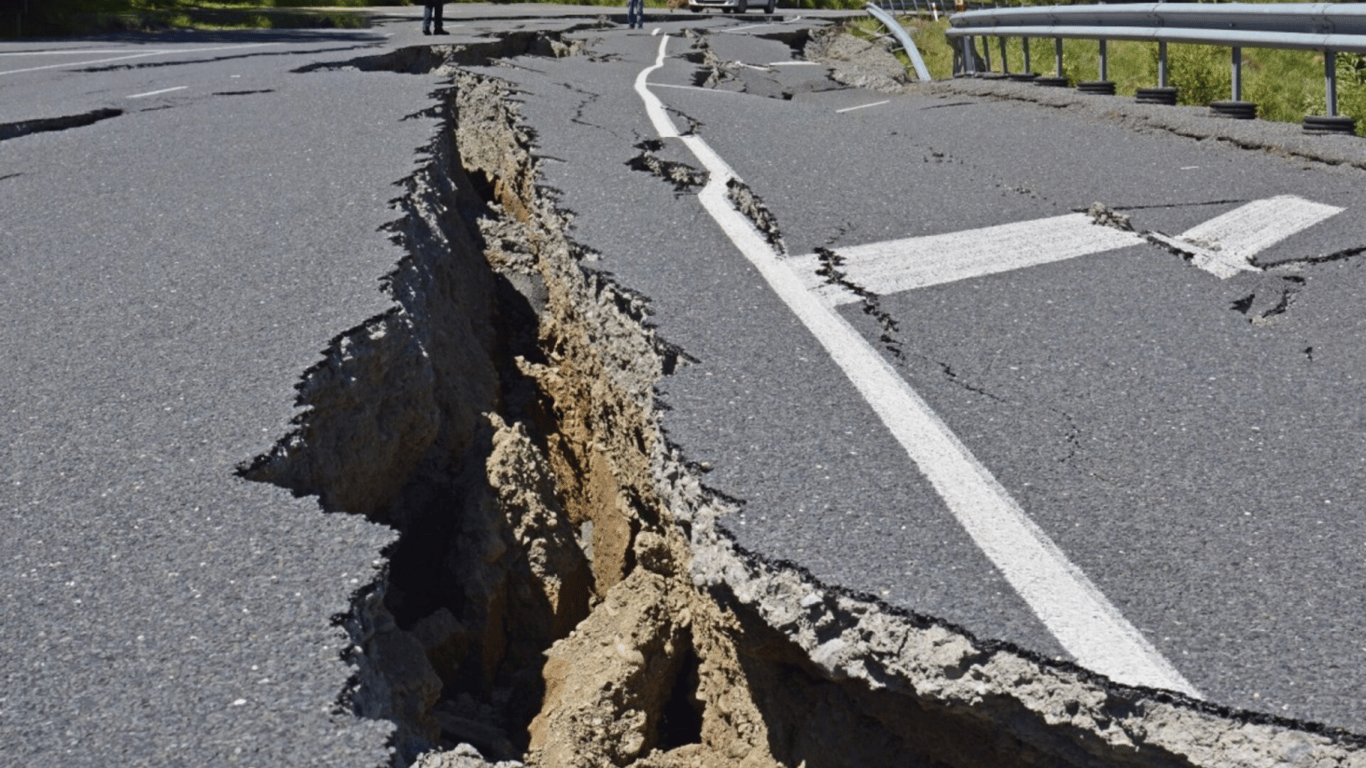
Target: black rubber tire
{"points": [[771, 8], [1165, 96], [742, 6], [1097, 87], [695, 8], [1238, 110], [1324, 124]]}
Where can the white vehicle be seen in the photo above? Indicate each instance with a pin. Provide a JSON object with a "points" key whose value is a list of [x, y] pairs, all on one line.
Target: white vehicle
{"points": [[729, 6]]}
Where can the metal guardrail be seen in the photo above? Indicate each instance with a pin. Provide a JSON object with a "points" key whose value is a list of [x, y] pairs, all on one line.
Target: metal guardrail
{"points": [[932, 7], [906, 43], [1331, 28]]}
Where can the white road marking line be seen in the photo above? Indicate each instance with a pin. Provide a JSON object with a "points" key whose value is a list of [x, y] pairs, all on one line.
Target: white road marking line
{"points": [[142, 55], [748, 27], [918, 262], [1225, 245], [155, 93], [70, 52], [863, 106], [696, 88], [79, 63], [1063, 598], [654, 108]]}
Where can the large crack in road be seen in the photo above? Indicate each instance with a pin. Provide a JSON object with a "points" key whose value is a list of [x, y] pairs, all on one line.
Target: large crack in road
{"points": [[561, 594]]}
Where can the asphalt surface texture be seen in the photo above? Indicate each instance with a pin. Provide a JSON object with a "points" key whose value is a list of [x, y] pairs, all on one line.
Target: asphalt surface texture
{"points": [[171, 267]]}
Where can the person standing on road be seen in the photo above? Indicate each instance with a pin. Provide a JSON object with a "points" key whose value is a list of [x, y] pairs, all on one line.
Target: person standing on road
{"points": [[635, 14], [431, 18]]}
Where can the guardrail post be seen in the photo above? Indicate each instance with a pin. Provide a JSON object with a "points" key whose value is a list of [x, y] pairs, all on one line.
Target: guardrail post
{"points": [[1103, 86], [1005, 60], [1330, 78], [1237, 74], [1236, 108], [986, 51], [1162, 94], [1057, 81], [1333, 123], [1024, 42]]}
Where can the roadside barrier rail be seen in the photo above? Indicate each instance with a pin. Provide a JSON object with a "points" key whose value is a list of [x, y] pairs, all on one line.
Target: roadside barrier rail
{"points": [[1326, 27], [932, 7], [901, 37]]}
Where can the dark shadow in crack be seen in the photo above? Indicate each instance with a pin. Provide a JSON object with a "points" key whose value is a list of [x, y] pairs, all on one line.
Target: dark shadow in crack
{"points": [[27, 127]]}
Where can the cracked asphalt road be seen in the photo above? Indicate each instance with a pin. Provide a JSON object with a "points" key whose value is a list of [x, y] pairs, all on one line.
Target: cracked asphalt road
{"points": [[1194, 450]]}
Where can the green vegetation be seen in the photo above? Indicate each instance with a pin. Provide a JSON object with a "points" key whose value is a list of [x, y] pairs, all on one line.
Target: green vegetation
{"points": [[1285, 85], [64, 17]]}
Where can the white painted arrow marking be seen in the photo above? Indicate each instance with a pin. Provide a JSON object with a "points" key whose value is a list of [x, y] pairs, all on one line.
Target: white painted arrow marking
{"points": [[1222, 246]]}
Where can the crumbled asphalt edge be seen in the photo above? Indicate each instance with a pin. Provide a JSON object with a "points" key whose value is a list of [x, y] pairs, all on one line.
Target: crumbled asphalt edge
{"points": [[29, 127], [855, 62], [684, 178], [444, 59], [1282, 139], [712, 70], [836, 677]]}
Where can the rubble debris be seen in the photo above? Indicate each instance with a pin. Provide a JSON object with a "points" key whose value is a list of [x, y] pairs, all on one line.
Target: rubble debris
{"points": [[1105, 216], [856, 62]]}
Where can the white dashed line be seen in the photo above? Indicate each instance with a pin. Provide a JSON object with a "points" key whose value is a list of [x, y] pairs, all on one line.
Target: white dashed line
{"points": [[1075, 612], [142, 55], [748, 27], [863, 106], [696, 88], [155, 93]]}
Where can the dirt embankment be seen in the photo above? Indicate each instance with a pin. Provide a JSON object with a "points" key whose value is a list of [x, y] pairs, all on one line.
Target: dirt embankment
{"points": [[560, 595]]}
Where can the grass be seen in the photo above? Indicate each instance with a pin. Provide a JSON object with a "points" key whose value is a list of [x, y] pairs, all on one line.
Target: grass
{"points": [[1286, 85], [67, 17]]}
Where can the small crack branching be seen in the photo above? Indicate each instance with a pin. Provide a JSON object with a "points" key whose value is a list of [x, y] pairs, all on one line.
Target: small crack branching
{"points": [[1339, 255], [1168, 206], [693, 124], [830, 269]]}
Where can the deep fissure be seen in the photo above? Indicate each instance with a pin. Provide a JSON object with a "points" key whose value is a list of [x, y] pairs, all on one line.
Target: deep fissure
{"points": [[561, 592]]}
